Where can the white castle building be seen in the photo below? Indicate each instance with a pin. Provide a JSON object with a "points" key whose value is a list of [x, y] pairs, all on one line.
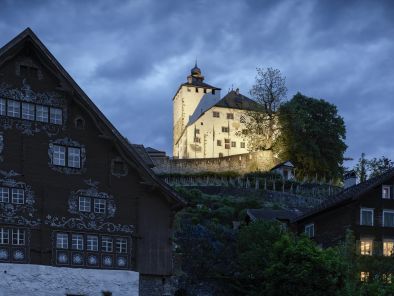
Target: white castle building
{"points": [[205, 125]]}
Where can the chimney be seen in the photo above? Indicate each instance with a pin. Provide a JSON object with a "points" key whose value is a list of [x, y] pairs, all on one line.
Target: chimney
{"points": [[349, 179], [237, 91]]}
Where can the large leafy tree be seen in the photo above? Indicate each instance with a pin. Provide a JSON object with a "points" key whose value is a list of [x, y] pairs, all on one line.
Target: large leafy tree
{"points": [[261, 125], [369, 168], [312, 136]]}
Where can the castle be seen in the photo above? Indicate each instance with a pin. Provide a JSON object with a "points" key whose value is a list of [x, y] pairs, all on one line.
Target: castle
{"points": [[206, 125]]}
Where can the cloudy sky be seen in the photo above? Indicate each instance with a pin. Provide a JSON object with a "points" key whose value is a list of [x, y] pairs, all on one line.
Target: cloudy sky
{"points": [[131, 56]]}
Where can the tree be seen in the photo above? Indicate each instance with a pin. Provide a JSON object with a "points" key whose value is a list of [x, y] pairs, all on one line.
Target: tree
{"points": [[312, 136], [361, 168], [261, 129], [369, 168]]}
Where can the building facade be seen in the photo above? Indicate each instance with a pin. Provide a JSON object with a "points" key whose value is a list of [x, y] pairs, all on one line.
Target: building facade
{"points": [[205, 125], [73, 192]]}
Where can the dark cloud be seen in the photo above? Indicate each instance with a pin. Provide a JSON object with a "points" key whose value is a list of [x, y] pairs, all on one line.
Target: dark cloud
{"points": [[131, 56]]}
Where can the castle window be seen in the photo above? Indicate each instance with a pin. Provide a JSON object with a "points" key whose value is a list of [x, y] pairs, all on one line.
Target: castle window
{"points": [[62, 241], [77, 242], [4, 236], [121, 245], [13, 108], [56, 115], [219, 142], [59, 155], [92, 243], [106, 244], [233, 144], [2, 106], [310, 230], [28, 111], [4, 194], [100, 205], [42, 113], [18, 236], [196, 89], [18, 196], [197, 140], [225, 129], [74, 157], [84, 204], [216, 114], [242, 144], [230, 115]]}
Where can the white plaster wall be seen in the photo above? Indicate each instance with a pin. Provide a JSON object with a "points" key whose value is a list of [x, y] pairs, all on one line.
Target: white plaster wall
{"points": [[40, 280]]}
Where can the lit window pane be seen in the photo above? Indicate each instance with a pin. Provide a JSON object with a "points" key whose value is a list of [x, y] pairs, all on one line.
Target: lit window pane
{"points": [[28, 111], [4, 194], [84, 204], [366, 247], [92, 243], [388, 248], [77, 242], [18, 196], [74, 157], [13, 109], [59, 155], [2, 107], [41, 113], [62, 241], [56, 115]]}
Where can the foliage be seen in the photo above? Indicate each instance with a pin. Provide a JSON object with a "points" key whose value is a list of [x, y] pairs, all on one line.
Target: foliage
{"points": [[229, 174], [312, 136], [369, 168], [261, 127]]}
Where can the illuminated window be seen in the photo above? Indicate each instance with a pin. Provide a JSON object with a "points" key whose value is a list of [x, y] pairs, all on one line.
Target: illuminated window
{"points": [[42, 113], [310, 230], [106, 244], [28, 111], [62, 241], [92, 243], [387, 278], [388, 218], [366, 247], [366, 216], [18, 196], [77, 242], [388, 247], [364, 276], [14, 108], [4, 194], [56, 115], [84, 204], [386, 192], [4, 236]]}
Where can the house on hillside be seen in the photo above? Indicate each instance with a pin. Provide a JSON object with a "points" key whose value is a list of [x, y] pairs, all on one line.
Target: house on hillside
{"points": [[285, 169], [206, 125], [76, 199], [367, 209]]}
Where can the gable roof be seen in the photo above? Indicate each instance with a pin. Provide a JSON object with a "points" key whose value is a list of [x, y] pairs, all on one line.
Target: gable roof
{"points": [[108, 131], [286, 163], [236, 100], [349, 194]]}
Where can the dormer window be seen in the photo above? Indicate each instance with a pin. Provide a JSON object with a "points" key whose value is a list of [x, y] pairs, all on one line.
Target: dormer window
{"points": [[386, 192]]}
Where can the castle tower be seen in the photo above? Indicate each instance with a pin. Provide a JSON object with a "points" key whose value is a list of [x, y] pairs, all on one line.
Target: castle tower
{"points": [[190, 100]]}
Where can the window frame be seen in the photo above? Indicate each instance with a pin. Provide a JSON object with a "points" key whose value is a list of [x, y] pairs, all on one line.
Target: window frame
{"points": [[20, 236], [366, 241], [389, 191], [106, 242], [92, 245], [100, 201], [77, 242], [62, 164], [308, 226], [41, 117], [383, 220], [27, 115], [216, 114], [121, 245], [62, 241], [3, 237], [71, 159], [15, 198], [17, 103], [84, 198], [230, 115], [388, 241], [367, 210], [1, 194]]}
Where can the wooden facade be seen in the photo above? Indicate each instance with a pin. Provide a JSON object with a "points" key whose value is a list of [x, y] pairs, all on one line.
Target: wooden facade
{"points": [[73, 191], [367, 209]]}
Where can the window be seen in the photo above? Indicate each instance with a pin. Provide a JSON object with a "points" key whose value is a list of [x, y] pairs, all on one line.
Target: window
{"points": [[56, 115], [59, 155], [386, 192], [216, 114], [364, 276], [121, 245], [13, 108], [77, 242], [388, 218], [74, 157], [388, 247], [100, 205], [18, 196], [92, 243], [28, 111], [4, 236], [310, 230], [226, 146], [205, 90], [366, 247], [242, 144], [220, 154], [41, 113], [79, 123], [4, 194], [366, 217], [230, 115], [84, 204], [106, 244], [62, 241], [196, 89], [225, 129], [197, 131], [387, 278], [227, 141], [119, 167], [233, 144], [18, 236], [219, 142], [2, 107]]}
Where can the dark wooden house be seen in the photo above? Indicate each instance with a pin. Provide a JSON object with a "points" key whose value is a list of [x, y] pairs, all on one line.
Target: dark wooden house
{"points": [[73, 191], [367, 209]]}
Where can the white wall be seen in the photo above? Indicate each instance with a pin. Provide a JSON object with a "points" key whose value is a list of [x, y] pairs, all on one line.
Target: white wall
{"points": [[40, 280]]}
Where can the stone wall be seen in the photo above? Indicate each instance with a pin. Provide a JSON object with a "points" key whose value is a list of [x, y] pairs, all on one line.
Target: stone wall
{"points": [[242, 163]]}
